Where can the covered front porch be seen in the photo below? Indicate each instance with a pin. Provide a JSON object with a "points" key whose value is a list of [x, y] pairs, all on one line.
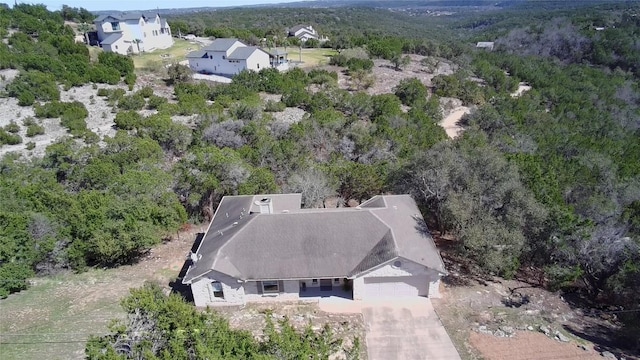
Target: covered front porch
{"points": [[325, 288]]}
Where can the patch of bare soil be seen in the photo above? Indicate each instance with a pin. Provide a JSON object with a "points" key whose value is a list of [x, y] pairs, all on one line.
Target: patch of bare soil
{"points": [[517, 319], [387, 77], [526, 345]]}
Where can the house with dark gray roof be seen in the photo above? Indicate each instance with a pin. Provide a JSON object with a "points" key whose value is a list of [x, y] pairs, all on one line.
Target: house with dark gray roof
{"points": [[262, 247], [132, 33], [228, 57]]}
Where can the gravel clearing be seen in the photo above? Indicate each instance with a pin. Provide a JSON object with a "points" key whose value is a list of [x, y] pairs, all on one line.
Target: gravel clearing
{"points": [[100, 120]]}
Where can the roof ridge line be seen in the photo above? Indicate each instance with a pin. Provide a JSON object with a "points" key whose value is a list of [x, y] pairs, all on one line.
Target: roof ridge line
{"points": [[215, 258]]}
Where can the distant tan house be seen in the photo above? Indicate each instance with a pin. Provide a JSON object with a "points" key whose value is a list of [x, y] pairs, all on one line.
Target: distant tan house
{"points": [[266, 247]]}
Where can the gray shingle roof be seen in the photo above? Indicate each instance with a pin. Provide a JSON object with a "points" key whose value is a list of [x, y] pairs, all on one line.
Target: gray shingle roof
{"points": [[111, 38], [243, 53], [312, 243], [196, 54], [296, 28], [222, 44], [126, 16]]}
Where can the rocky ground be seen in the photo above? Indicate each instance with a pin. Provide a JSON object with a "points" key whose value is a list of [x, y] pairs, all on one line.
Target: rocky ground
{"points": [[497, 319]]}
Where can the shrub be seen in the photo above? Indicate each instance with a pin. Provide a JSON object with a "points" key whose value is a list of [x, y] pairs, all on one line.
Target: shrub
{"points": [[120, 63], [355, 64], [179, 73], [7, 138], [30, 145], [128, 120], [155, 102], [28, 121], [130, 79], [33, 85], [132, 102], [295, 96], [103, 92], [100, 73], [35, 129], [146, 92], [26, 99], [244, 111], [13, 127], [274, 106]]}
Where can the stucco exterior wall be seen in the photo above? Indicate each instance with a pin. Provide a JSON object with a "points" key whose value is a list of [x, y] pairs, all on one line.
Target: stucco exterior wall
{"points": [[202, 290], [257, 61], [119, 47]]}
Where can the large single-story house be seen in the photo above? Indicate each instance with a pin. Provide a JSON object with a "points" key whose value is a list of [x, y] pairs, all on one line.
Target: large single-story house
{"points": [[228, 57], [260, 247], [131, 33]]}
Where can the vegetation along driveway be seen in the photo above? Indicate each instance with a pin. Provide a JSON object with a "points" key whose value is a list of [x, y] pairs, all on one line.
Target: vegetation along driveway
{"points": [[406, 329]]}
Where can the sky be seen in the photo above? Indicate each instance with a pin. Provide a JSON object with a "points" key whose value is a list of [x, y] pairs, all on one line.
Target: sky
{"points": [[124, 5]]}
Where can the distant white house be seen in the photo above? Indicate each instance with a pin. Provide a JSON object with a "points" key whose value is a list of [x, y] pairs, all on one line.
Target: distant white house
{"points": [[228, 57], [131, 33], [305, 32], [485, 45]]}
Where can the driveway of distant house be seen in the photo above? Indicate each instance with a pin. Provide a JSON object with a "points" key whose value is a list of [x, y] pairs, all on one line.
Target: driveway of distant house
{"points": [[406, 329]]}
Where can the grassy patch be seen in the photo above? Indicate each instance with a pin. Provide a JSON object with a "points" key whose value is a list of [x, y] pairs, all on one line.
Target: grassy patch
{"points": [[310, 57], [53, 318], [178, 52]]}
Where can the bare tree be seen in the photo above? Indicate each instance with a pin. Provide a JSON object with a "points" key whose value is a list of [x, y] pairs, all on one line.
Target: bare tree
{"points": [[314, 185]]}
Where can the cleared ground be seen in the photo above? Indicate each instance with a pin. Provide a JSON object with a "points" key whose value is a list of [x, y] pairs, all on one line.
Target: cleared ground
{"points": [[307, 57], [161, 57]]}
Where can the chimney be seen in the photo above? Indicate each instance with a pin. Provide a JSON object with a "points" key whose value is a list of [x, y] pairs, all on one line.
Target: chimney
{"points": [[266, 206]]}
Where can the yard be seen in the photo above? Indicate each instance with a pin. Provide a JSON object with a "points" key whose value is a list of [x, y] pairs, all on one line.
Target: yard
{"points": [[158, 58], [309, 58], [54, 317]]}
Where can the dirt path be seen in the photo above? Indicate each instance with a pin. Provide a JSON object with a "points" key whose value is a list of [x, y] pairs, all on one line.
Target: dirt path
{"points": [[450, 122]]}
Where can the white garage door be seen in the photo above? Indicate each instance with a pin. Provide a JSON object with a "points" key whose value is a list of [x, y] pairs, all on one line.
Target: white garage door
{"points": [[401, 286]]}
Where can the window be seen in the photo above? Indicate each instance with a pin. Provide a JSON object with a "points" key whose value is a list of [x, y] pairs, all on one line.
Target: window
{"points": [[258, 66], [270, 287], [210, 56], [314, 281], [217, 289], [336, 280], [116, 47], [115, 26]]}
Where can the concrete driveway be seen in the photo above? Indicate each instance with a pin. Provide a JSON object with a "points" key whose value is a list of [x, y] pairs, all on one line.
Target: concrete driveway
{"points": [[406, 329]]}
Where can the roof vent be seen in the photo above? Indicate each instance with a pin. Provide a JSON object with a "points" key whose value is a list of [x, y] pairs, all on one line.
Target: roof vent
{"points": [[285, 211], [265, 205], [194, 258]]}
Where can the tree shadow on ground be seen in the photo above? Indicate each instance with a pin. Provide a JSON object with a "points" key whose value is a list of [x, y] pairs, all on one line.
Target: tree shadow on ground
{"points": [[176, 285], [602, 326]]}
